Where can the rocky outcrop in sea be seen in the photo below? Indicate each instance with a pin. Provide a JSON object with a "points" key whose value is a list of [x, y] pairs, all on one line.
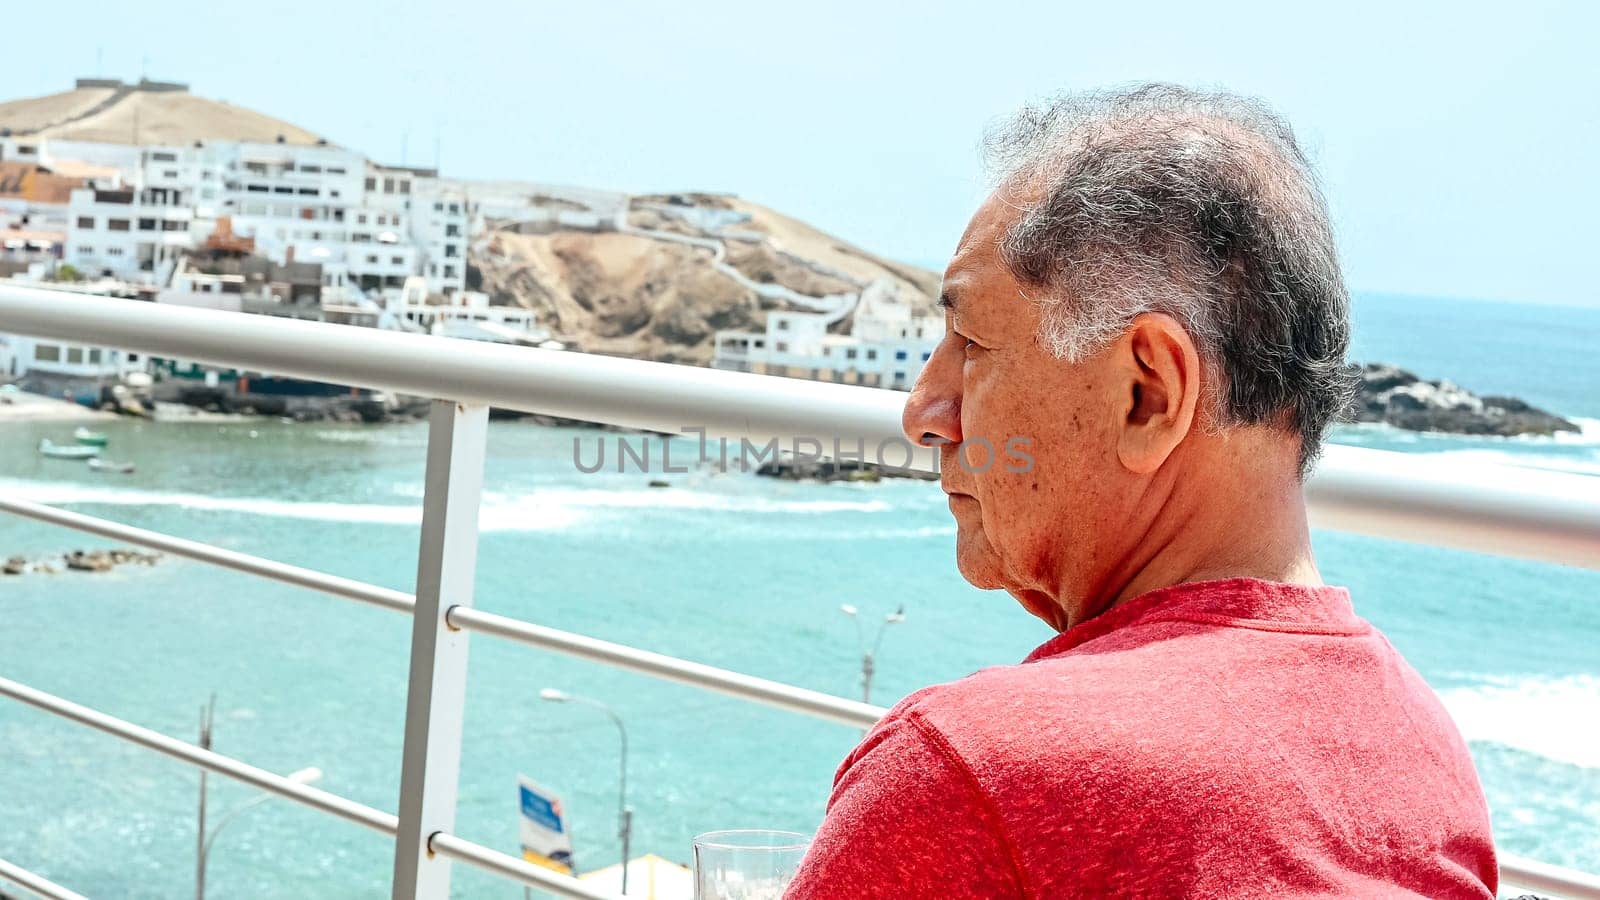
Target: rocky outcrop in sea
{"points": [[79, 560], [1394, 396]]}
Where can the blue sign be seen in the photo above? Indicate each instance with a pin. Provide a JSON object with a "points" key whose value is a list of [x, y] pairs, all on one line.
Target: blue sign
{"points": [[538, 808]]}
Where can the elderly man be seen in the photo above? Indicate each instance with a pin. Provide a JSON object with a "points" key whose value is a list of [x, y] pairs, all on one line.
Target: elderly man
{"points": [[1152, 300]]}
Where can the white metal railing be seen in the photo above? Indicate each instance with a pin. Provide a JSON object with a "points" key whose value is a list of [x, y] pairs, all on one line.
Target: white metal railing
{"points": [[36, 884], [1497, 509]]}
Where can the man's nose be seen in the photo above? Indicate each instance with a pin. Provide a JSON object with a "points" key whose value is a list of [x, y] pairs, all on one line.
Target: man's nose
{"points": [[933, 411]]}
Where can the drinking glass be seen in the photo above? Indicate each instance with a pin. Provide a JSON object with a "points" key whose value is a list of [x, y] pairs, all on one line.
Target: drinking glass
{"points": [[750, 864]]}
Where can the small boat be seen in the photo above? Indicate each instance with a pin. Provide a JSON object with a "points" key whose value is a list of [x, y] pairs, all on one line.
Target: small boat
{"points": [[90, 438], [67, 451], [106, 465]]}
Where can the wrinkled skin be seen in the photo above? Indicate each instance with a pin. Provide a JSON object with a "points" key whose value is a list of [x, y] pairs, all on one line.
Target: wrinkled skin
{"points": [[1125, 492]]}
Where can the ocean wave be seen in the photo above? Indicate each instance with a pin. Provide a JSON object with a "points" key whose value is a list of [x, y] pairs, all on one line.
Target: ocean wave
{"points": [[867, 534], [679, 499], [926, 531], [385, 437], [1589, 433], [1524, 459], [1549, 717], [501, 511], [520, 518]]}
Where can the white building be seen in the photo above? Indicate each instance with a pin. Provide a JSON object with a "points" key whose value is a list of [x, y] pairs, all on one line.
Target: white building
{"points": [[307, 204], [436, 211], [136, 234], [464, 314], [203, 290], [20, 355], [370, 227], [887, 346]]}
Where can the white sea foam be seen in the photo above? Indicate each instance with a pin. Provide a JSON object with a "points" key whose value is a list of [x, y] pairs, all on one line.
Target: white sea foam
{"points": [[1550, 717], [868, 534], [522, 511], [678, 498], [1590, 433], [1525, 459], [522, 518], [385, 437]]}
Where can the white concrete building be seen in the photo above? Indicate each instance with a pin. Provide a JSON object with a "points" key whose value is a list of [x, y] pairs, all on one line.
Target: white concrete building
{"points": [[204, 291], [887, 345], [306, 204], [464, 314], [436, 217], [20, 356], [135, 234], [441, 229], [370, 227]]}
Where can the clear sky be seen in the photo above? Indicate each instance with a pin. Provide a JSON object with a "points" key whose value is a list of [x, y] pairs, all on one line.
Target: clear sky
{"points": [[1459, 142]]}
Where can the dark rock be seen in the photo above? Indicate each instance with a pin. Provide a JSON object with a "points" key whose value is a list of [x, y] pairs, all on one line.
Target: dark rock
{"points": [[830, 470], [1394, 396], [90, 561], [105, 560]]}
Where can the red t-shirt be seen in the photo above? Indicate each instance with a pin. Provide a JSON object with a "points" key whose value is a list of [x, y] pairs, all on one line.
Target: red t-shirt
{"points": [[1233, 738]]}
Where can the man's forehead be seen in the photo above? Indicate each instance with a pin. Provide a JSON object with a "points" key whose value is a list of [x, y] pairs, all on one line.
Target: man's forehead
{"points": [[978, 252]]}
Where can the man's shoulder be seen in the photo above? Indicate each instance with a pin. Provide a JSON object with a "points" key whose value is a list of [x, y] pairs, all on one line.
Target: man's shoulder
{"points": [[1133, 699], [1048, 712]]}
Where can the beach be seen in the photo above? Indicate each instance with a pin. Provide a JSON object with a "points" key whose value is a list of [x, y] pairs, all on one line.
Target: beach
{"points": [[22, 406]]}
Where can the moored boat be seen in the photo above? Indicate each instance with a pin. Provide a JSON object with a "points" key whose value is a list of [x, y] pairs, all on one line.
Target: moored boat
{"points": [[106, 465], [67, 451], [90, 438]]}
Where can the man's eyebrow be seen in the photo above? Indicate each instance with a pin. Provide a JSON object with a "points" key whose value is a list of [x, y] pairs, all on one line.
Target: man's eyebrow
{"points": [[947, 300]]}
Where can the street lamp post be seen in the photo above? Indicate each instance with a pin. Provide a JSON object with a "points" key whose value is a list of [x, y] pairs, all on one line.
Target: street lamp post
{"points": [[624, 813], [869, 665], [207, 713], [303, 776]]}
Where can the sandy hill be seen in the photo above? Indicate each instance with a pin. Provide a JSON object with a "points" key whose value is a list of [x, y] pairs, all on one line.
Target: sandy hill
{"points": [[636, 287], [146, 112]]}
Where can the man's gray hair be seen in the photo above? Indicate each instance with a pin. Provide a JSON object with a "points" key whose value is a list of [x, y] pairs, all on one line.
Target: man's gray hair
{"points": [[1197, 204]]}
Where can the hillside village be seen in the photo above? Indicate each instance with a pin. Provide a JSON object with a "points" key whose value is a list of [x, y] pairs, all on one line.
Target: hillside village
{"points": [[151, 192]]}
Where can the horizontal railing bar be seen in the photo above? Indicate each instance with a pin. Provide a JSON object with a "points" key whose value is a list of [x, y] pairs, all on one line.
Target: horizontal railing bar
{"points": [[1533, 875], [508, 866], [350, 589], [1503, 510], [1487, 508], [670, 668], [1522, 872], [748, 687], [205, 759], [628, 392], [36, 884]]}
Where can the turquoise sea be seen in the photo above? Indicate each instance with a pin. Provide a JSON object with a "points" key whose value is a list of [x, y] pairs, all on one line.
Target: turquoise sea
{"points": [[726, 569]]}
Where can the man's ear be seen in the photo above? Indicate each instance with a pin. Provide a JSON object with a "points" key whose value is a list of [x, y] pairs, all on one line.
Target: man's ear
{"points": [[1159, 370]]}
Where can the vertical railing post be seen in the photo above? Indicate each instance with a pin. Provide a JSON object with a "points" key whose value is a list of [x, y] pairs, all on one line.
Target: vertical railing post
{"points": [[438, 686]]}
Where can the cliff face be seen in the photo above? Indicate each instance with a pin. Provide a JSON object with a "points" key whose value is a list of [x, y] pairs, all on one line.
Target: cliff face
{"points": [[659, 278]]}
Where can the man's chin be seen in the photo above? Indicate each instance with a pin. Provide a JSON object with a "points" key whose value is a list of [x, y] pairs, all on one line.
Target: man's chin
{"points": [[976, 560]]}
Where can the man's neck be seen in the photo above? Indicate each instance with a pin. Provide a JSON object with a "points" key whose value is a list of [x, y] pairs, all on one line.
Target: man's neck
{"points": [[1248, 526]]}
